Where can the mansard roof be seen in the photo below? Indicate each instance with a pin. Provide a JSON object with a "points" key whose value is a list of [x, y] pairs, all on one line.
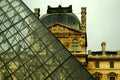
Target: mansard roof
{"points": [[61, 15]]}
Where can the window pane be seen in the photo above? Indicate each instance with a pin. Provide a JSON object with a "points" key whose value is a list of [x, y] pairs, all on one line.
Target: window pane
{"points": [[75, 45], [111, 64], [112, 78], [97, 78], [96, 64]]}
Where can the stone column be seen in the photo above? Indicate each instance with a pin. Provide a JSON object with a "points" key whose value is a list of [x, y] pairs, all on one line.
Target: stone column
{"points": [[83, 18], [83, 28]]}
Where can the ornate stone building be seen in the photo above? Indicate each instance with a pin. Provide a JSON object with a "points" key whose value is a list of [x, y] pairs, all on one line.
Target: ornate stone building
{"points": [[64, 24], [104, 65]]}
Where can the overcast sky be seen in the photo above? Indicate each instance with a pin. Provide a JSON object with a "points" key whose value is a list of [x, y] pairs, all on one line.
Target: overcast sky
{"points": [[103, 19]]}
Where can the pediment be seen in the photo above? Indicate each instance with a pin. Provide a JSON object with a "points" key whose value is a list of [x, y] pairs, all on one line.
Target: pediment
{"points": [[59, 28]]}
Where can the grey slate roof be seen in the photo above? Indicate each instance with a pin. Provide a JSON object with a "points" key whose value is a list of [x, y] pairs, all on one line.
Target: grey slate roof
{"points": [[66, 18]]}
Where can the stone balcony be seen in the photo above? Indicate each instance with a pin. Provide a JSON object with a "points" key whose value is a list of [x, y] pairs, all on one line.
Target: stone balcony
{"points": [[106, 55], [103, 54]]}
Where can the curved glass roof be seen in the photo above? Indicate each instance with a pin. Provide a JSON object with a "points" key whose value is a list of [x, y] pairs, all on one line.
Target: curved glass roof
{"points": [[29, 51]]}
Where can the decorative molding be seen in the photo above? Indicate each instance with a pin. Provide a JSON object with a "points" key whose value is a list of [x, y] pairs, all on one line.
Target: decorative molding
{"points": [[58, 28]]}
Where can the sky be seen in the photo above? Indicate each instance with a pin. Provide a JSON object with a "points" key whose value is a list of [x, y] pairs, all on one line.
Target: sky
{"points": [[103, 19]]}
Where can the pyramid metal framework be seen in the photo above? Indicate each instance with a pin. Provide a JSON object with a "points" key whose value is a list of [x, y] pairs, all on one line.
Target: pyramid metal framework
{"points": [[29, 51]]}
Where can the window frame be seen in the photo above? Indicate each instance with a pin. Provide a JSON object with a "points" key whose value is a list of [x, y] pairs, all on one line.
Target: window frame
{"points": [[111, 77], [111, 64], [97, 77], [75, 45], [97, 64]]}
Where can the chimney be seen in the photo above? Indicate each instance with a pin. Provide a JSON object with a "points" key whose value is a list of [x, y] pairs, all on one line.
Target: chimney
{"points": [[83, 18], [37, 12], [103, 45]]}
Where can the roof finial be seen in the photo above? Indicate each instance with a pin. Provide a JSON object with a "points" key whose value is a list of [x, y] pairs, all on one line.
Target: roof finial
{"points": [[103, 44]]}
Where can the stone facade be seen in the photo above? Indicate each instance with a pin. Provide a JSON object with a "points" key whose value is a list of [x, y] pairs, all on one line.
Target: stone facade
{"points": [[67, 36], [74, 39], [103, 65]]}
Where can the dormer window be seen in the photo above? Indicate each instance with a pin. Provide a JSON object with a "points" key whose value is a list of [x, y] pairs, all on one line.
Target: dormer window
{"points": [[97, 76], [112, 76]]}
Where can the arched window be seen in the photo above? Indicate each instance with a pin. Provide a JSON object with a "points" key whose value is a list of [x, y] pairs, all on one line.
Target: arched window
{"points": [[74, 44]]}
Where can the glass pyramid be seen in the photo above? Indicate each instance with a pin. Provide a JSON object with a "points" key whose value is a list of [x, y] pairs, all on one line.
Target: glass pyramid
{"points": [[29, 51]]}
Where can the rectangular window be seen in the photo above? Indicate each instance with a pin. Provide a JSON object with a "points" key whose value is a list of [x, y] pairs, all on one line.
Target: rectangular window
{"points": [[111, 64], [74, 44], [112, 78], [96, 64]]}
